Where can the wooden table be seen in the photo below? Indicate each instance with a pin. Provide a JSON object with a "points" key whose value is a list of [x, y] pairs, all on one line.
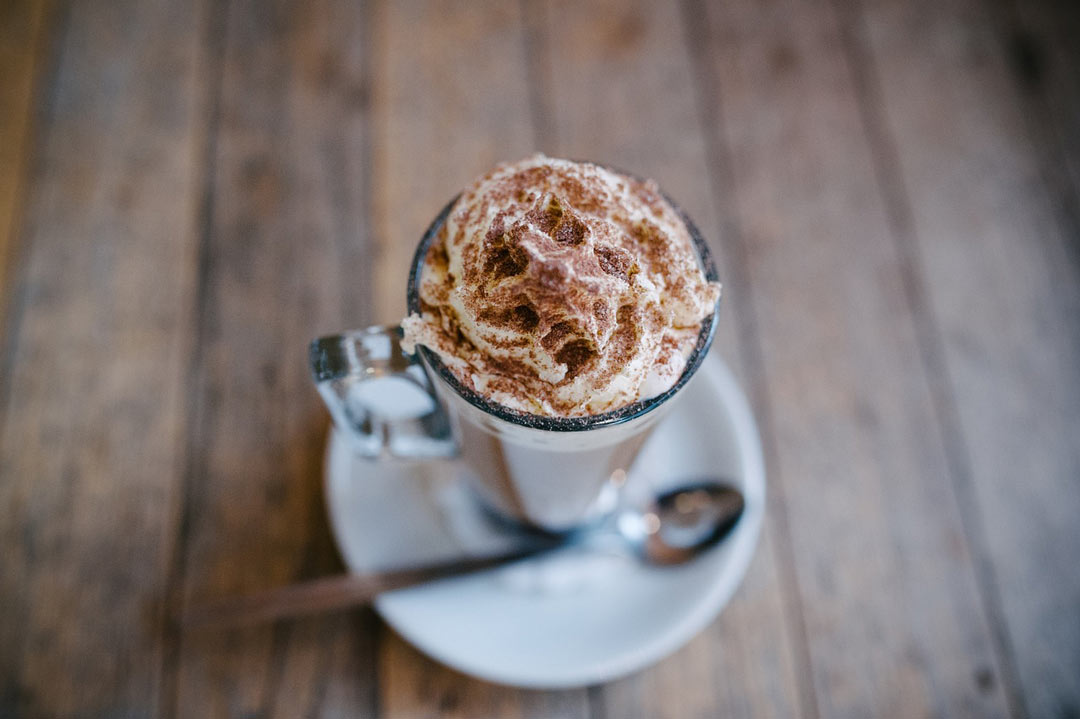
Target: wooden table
{"points": [[189, 191]]}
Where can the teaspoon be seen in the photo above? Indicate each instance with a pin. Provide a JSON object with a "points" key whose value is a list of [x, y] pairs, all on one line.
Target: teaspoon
{"points": [[673, 528]]}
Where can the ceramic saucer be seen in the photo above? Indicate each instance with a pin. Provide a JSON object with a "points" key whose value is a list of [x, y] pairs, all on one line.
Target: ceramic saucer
{"points": [[572, 618]]}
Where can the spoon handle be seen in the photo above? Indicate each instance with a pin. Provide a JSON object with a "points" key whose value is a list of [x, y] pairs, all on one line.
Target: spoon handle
{"points": [[331, 593]]}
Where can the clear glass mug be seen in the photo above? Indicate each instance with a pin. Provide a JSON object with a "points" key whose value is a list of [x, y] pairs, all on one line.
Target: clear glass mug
{"points": [[549, 473]]}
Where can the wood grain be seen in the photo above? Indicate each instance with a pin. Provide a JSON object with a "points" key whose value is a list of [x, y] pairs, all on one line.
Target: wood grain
{"points": [[25, 26], [1003, 300], [283, 257], [622, 91], [449, 103], [93, 408], [895, 620]]}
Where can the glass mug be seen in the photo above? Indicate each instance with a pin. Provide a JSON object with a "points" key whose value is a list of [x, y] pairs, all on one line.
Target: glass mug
{"points": [[548, 473]]}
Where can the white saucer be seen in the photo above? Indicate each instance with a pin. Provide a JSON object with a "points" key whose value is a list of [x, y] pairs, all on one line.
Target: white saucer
{"points": [[570, 619]]}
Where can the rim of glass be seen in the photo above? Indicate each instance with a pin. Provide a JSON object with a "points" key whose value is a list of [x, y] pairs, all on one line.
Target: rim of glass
{"points": [[568, 424]]}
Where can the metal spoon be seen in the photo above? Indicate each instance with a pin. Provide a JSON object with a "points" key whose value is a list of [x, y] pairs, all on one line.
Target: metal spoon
{"points": [[673, 528], [682, 523]]}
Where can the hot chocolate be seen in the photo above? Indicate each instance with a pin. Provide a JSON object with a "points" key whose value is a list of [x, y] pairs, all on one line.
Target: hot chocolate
{"points": [[562, 289]]}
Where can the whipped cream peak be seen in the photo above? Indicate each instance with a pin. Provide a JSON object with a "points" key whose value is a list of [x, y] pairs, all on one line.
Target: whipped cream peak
{"points": [[562, 288]]}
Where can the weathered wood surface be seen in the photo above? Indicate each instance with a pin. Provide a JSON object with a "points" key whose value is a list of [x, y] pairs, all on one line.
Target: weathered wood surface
{"points": [[894, 618], [890, 189], [988, 240], [93, 381]]}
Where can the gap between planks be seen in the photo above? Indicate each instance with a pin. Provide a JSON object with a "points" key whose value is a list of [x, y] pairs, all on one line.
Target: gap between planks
{"points": [[214, 34]]}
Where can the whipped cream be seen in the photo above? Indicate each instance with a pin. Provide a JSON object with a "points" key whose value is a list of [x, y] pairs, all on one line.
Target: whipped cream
{"points": [[562, 288]]}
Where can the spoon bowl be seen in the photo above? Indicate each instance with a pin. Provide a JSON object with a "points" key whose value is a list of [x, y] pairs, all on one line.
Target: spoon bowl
{"points": [[683, 523]]}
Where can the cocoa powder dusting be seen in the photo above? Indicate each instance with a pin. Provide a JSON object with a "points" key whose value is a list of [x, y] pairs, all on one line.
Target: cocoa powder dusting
{"points": [[556, 335], [551, 279]]}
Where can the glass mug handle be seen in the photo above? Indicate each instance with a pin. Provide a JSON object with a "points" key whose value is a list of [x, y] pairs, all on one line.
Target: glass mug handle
{"points": [[380, 397]]}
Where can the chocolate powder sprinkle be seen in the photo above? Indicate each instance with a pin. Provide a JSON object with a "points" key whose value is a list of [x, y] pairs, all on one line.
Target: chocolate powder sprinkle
{"points": [[562, 278]]}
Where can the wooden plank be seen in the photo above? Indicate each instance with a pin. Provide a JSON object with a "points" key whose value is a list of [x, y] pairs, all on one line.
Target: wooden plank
{"points": [[451, 101], [622, 91], [24, 29], [284, 261], [894, 617], [963, 144], [90, 450]]}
